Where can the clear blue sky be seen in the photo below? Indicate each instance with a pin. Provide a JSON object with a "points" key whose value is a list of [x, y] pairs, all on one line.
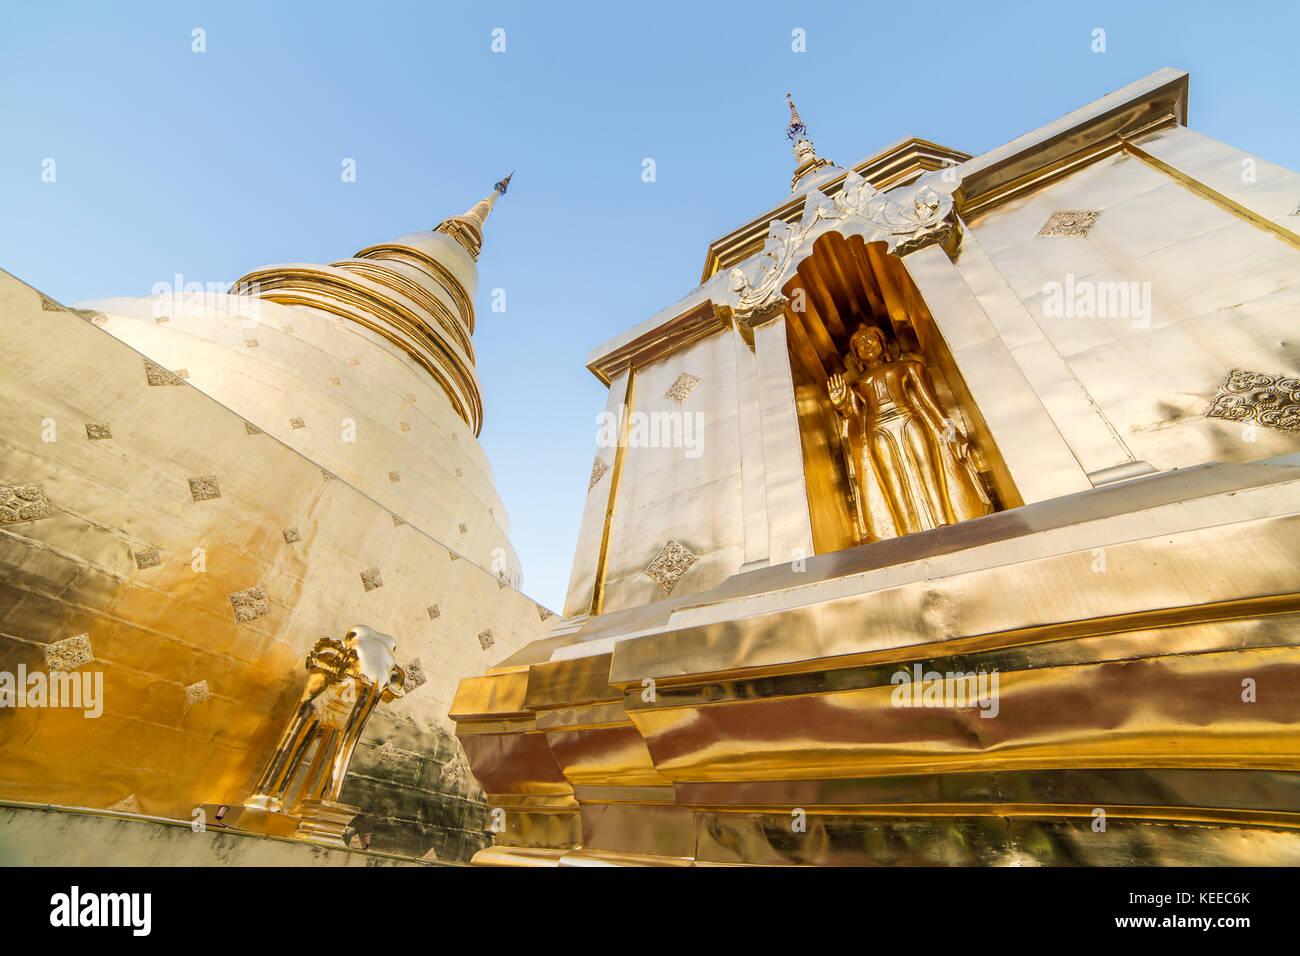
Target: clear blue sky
{"points": [[212, 164]]}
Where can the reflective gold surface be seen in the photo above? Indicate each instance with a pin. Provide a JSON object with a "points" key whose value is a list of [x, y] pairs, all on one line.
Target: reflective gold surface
{"points": [[1092, 507], [197, 534]]}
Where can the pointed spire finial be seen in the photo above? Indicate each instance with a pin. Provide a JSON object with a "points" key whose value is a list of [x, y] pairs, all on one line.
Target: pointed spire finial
{"points": [[467, 229], [796, 127]]}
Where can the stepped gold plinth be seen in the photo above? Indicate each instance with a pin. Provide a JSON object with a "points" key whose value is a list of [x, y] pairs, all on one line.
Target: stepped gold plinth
{"points": [[323, 821], [1105, 678]]}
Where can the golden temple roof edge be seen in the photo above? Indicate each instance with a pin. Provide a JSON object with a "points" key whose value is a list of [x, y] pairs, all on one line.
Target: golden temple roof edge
{"points": [[1156, 99]]}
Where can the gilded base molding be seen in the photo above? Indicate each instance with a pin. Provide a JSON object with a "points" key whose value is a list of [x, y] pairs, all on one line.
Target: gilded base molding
{"points": [[1135, 711]]}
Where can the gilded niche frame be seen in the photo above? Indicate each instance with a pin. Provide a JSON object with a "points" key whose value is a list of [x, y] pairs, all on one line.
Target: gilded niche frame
{"points": [[845, 284]]}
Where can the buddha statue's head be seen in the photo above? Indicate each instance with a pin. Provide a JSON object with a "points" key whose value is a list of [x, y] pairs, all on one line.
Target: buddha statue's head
{"points": [[868, 345]]}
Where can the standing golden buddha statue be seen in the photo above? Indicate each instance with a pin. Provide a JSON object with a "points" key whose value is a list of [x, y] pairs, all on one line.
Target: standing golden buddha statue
{"points": [[899, 446]]}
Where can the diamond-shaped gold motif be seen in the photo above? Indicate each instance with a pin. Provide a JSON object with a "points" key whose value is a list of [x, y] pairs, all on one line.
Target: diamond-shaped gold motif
{"points": [[23, 503], [1069, 223], [1269, 400], [669, 565], [69, 653], [681, 387], [370, 579], [204, 488], [155, 374], [250, 604]]}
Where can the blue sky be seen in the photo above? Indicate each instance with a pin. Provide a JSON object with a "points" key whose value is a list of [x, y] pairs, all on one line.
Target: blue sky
{"points": [[212, 164]]}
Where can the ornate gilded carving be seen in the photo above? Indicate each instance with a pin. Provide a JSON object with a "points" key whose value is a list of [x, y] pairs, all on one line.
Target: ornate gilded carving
{"points": [[898, 447], [485, 639], [414, 675], [147, 559], [346, 681], [394, 476], [433, 611], [204, 488], [155, 374], [250, 604], [1069, 223], [69, 654], [128, 804], [682, 387], [598, 469], [251, 429], [23, 503], [669, 565], [452, 771], [1269, 400], [297, 423], [370, 579], [197, 693], [902, 216], [291, 535], [98, 431]]}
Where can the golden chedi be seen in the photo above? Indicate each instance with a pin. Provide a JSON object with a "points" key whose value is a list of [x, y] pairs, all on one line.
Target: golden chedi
{"points": [[973, 538], [202, 486]]}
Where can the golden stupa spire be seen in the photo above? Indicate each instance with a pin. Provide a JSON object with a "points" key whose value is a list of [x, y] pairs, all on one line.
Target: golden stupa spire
{"points": [[805, 154], [796, 130], [467, 229]]}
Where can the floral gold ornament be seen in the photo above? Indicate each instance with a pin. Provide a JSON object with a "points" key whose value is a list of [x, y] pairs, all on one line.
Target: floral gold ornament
{"points": [[1069, 223], [682, 387], [1269, 400], [669, 565], [26, 502]]}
